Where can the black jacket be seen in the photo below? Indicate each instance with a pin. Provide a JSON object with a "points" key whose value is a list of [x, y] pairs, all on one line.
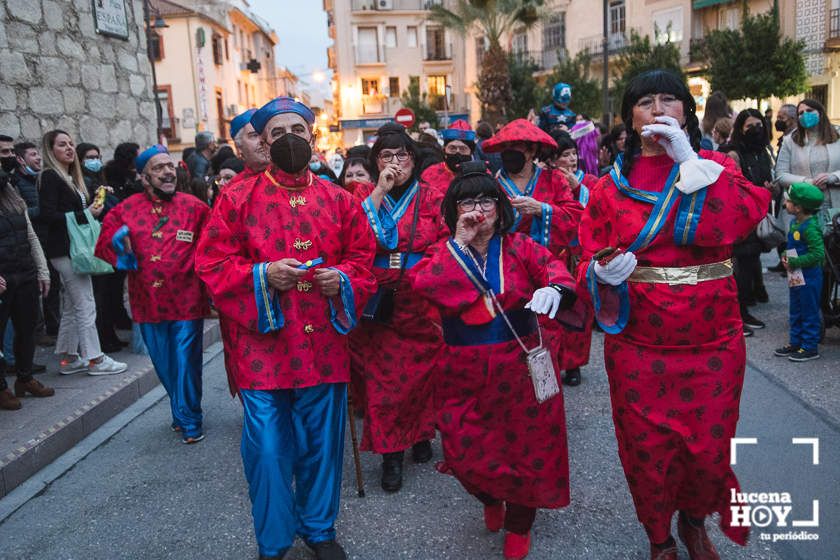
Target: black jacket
{"points": [[57, 198], [15, 252], [28, 189]]}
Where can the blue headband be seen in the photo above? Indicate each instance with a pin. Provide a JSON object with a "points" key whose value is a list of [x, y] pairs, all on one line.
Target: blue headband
{"points": [[279, 106], [143, 158], [239, 122]]}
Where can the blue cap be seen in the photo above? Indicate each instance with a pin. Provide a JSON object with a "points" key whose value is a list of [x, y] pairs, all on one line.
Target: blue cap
{"points": [[239, 122], [143, 158], [279, 106], [562, 93]]}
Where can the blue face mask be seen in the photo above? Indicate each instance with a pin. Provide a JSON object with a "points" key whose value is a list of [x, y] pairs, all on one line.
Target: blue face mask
{"points": [[314, 165], [29, 171], [809, 120], [93, 165]]}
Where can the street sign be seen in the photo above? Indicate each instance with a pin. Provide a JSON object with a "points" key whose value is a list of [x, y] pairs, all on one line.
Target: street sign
{"points": [[405, 117]]}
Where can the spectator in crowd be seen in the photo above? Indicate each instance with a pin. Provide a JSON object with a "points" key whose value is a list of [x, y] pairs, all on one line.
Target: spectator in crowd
{"points": [[28, 160], [750, 148], [223, 154], [356, 168], [199, 161], [62, 191], [229, 169], [23, 276], [611, 145], [717, 107], [91, 161], [8, 162], [811, 154], [721, 132], [120, 174], [785, 122], [484, 132]]}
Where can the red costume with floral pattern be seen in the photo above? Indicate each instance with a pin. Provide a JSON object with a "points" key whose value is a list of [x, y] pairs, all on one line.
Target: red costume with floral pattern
{"points": [[290, 339], [398, 361], [677, 368], [163, 237], [497, 439], [437, 176]]}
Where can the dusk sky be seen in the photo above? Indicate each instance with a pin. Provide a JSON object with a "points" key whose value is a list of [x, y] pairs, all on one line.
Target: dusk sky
{"points": [[301, 26]]}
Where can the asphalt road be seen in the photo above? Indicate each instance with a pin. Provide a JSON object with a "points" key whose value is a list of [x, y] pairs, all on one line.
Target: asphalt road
{"points": [[144, 495]]}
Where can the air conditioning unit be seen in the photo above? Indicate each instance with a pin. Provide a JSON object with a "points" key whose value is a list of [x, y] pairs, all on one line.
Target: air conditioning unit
{"points": [[384, 4]]}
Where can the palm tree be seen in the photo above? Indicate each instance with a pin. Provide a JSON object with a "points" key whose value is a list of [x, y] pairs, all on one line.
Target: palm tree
{"points": [[493, 19]]}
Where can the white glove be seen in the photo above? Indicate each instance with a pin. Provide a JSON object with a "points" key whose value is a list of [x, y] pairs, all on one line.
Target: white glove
{"points": [[672, 137], [545, 301], [617, 270]]}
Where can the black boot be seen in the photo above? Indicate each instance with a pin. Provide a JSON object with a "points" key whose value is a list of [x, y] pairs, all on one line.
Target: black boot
{"points": [[392, 468], [327, 550], [421, 452], [572, 378]]}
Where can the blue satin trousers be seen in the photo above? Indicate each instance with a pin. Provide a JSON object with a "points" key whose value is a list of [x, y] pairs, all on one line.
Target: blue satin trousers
{"points": [[294, 435], [175, 348]]}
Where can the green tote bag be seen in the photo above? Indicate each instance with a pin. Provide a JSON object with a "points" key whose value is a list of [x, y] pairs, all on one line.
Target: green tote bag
{"points": [[82, 243]]}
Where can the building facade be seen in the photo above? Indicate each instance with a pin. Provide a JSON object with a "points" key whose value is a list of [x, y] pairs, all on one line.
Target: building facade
{"points": [[78, 67], [380, 48], [213, 60]]}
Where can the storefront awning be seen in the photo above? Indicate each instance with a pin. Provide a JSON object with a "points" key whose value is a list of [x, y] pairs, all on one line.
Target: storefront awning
{"points": [[698, 4]]}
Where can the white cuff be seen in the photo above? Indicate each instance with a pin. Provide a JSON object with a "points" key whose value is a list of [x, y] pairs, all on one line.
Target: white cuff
{"points": [[696, 174]]}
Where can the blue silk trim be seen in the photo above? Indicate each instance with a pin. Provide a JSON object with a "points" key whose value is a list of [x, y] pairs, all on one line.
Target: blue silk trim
{"points": [[541, 228], [659, 215], [494, 279], [688, 217], [384, 261], [125, 261], [348, 301], [624, 186], [512, 190], [269, 314], [384, 222], [623, 301], [457, 333]]}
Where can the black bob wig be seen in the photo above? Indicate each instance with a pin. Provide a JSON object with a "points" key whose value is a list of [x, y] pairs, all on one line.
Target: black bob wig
{"points": [[472, 185], [653, 82], [392, 136]]}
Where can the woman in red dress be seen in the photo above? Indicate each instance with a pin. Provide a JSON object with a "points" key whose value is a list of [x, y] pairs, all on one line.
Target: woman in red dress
{"points": [[503, 446], [657, 240], [396, 347]]}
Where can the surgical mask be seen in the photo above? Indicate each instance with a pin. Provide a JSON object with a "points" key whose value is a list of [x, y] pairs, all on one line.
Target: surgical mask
{"points": [[314, 165], [29, 171], [809, 120], [291, 153], [93, 165], [454, 160], [513, 161], [8, 164]]}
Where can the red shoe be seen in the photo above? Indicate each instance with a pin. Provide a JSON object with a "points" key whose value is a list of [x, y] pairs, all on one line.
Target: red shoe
{"points": [[517, 546], [696, 540], [494, 517]]}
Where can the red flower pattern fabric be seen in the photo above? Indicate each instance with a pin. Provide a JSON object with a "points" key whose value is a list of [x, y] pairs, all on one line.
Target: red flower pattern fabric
{"points": [[165, 287], [677, 369], [496, 438], [519, 130], [437, 176], [396, 363], [267, 219]]}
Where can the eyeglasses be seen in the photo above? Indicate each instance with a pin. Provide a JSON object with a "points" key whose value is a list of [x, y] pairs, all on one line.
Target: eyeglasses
{"points": [[485, 203], [388, 157], [452, 149]]}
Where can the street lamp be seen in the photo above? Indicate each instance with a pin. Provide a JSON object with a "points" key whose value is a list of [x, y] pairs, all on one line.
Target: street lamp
{"points": [[158, 23]]}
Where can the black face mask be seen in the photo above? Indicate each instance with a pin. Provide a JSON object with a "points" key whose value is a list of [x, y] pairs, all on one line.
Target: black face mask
{"points": [[453, 161], [8, 164], [755, 136], [162, 194], [291, 153], [513, 161], [780, 126]]}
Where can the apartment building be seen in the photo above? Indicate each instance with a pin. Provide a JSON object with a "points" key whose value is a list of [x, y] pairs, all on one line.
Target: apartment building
{"points": [[213, 60], [380, 47]]}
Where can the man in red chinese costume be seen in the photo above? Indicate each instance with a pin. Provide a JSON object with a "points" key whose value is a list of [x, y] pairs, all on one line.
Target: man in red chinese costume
{"points": [[249, 144], [153, 236], [657, 239], [286, 257], [458, 147]]}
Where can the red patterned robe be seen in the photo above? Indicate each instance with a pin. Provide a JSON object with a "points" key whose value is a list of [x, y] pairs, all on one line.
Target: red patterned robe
{"points": [[496, 438], [291, 339], [677, 368], [165, 287], [438, 177], [398, 361]]}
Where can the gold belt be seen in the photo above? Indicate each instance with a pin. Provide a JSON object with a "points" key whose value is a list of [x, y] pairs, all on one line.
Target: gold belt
{"points": [[674, 275]]}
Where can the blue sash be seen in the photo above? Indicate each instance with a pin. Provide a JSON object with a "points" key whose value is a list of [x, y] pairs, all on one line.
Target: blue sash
{"points": [[406, 259], [540, 225], [494, 279], [384, 222]]}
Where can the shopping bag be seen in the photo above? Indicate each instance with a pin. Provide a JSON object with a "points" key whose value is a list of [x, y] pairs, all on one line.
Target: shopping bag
{"points": [[82, 244]]}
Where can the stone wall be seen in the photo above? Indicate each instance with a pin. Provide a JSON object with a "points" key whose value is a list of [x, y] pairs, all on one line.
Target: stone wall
{"points": [[57, 72]]}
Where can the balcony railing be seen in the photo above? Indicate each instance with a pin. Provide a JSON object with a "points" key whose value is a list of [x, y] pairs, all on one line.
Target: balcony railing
{"points": [[834, 24], [393, 5], [438, 52], [542, 60], [594, 44]]}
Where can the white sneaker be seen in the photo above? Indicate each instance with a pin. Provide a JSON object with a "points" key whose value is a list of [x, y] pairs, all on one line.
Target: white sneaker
{"points": [[108, 366], [76, 366]]}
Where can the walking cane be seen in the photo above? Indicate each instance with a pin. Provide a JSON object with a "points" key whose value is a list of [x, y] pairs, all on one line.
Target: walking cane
{"points": [[360, 484]]}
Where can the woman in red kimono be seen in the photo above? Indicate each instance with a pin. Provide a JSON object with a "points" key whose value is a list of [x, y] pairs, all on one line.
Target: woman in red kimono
{"points": [[657, 241], [397, 348], [503, 446], [458, 147], [575, 345]]}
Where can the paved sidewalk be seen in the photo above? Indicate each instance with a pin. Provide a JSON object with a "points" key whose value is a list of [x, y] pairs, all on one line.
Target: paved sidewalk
{"points": [[43, 429]]}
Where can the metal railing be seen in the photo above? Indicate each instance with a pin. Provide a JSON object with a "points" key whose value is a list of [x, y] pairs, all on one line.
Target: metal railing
{"points": [[438, 52], [542, 60], [393, 5], [594, 44], [834, 24]]}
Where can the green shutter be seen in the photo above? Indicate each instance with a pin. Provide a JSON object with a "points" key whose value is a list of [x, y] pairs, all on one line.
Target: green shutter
{"points": [[698, 4]]}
